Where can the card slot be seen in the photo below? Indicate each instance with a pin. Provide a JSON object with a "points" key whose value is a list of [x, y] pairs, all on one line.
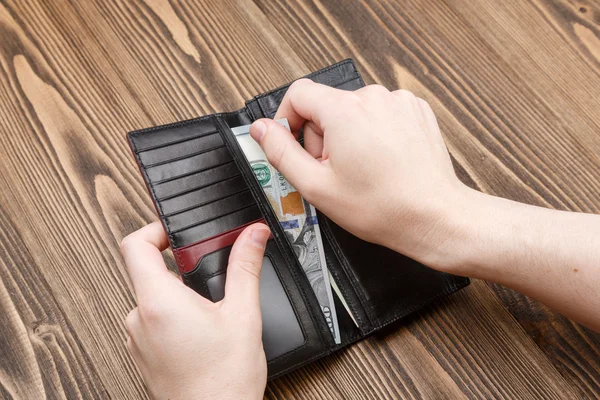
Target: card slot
{"points": [[197, 153], [205, 213], [200, 187], [211, 219], [189, 174], [188, 256], [165, 135], [216, 226], [203, 196], [180, 150], [188, 166], [185, 139], [169, 189]]}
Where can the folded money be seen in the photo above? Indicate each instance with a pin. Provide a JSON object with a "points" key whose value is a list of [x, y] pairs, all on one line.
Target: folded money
{"points": [[299, 221]]}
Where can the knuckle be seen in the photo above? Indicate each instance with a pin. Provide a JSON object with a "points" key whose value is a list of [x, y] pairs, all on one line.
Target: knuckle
{"points": [[423, 103], [372, 92], [353, 101], [376, 89], [296, 86], [126, 243], [299, 83], [130, 322], [406, 94], [352, 98], [249, 267], [152, 311]]}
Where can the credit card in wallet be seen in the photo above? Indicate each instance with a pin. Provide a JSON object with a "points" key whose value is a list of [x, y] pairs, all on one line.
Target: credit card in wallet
{"points": [[298, 220]]}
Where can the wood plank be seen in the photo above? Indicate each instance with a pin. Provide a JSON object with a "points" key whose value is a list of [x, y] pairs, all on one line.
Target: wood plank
{"points": [[514, 88], [75, 76], [464, 347], [70, 90]]}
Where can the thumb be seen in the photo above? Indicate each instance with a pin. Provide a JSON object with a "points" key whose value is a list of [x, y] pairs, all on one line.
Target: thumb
{"points": [[245, 263], [287, 155]]}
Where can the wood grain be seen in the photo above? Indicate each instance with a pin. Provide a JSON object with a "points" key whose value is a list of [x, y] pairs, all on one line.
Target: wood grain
{"points": [[514, 85]]}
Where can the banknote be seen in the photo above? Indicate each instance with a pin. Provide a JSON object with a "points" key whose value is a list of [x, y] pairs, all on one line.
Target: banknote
{"points": [[299, 221]]}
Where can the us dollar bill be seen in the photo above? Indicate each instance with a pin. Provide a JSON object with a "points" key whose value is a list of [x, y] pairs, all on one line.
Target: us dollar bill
{"points": [[299, 221]]}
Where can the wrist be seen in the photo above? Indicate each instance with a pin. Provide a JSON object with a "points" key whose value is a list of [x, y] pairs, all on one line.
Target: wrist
{"points": [[450, 232]]}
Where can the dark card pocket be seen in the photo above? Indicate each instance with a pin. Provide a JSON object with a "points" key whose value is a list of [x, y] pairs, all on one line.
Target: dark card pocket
{"points": [[281, 330], [289, 332], [388, 285]]}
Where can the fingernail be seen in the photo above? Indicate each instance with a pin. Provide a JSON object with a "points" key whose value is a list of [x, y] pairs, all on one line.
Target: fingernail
{"points": [[258, 130], [260, 237]]}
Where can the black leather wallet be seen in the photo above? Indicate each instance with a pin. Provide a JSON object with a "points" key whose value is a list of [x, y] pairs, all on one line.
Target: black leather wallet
{"points": [[206, 193]]}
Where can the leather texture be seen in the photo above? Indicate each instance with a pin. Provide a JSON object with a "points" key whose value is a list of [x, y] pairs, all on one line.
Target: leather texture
{"points": [[189, 256], [205, 193]]}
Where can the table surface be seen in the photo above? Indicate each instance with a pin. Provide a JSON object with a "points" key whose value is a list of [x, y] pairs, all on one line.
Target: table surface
{"points": [[514, 85]]}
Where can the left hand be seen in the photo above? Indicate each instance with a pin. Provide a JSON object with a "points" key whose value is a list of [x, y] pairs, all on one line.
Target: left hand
{"points": [[185, 346]]}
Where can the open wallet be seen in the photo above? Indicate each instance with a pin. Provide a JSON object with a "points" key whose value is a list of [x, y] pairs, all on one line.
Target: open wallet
{"points": [[206, 193]]}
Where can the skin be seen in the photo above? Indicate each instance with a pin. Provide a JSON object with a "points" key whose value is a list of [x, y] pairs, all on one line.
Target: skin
{"points": [[377, 154], [185, 346]]}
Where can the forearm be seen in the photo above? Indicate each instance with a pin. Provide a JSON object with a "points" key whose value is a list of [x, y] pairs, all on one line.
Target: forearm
{"points": [[551, 256]]}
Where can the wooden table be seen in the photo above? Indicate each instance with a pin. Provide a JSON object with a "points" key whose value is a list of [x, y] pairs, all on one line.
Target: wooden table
{"points": [[516, 88]]}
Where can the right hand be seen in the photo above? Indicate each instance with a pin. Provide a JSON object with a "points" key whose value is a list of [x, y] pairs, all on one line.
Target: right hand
{"points": [[374, 162]]}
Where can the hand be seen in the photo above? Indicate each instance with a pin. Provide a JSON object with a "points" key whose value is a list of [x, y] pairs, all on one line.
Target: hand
{"points": [[185, 346], [373, 161]]}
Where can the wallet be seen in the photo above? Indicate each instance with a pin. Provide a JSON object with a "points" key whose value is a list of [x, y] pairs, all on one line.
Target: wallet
{"points": [[205, 194]]}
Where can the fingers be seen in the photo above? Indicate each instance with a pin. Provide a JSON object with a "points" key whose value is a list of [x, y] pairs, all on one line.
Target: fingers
{"points": [[306, 100], [136, 354], [314, 140], [141, 251], [428, 115], [433, 130], [132, 326], [409, 101], [245, 263], [287, 156], [132, 321]]}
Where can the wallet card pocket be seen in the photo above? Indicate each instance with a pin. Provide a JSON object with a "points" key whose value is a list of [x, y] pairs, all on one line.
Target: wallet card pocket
{"points": [[282, 333], [195, 184], [289, 333], [407, 287]]}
